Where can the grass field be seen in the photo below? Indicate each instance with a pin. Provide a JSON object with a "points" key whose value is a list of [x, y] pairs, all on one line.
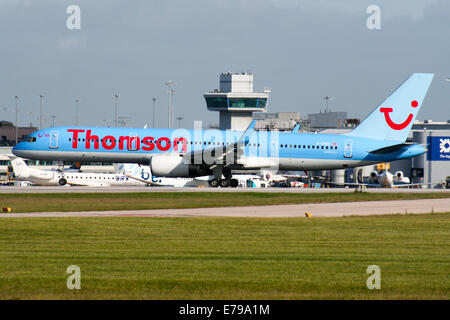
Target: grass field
{"points": [[226, 258], [38, 202]]}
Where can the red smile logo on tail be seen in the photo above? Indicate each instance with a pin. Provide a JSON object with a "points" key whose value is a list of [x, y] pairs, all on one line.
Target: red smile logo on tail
{"points": [[398, 126]]}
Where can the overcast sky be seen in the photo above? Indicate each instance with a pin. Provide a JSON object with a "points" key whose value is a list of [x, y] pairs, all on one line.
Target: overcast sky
{"points": [[303, 50]]}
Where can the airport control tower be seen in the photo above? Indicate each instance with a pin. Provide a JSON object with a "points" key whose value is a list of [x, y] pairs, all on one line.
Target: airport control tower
{"points": [[236, 101]]}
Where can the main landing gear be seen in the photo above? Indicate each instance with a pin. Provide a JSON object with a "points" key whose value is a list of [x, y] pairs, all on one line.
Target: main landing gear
{"points": [[223, 183]]}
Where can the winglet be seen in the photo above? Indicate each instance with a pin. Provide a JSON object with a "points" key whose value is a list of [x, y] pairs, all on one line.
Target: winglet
{"points": [[251, 126], [244, 139]]}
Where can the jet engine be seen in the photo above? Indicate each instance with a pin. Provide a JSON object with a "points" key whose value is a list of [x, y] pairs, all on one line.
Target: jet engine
{"points": [[173, 166], [374, 176], [399, 175]]}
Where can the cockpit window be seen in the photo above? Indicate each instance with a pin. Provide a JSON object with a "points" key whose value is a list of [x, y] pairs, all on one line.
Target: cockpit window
{"points": [[30, 139]]}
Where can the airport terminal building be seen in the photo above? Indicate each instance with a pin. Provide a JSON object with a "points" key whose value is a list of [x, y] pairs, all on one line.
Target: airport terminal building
{"points": [[433, 167]]}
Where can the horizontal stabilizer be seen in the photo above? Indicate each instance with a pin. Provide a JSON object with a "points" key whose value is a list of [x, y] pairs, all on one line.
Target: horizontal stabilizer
{"points": [[389, 149]]}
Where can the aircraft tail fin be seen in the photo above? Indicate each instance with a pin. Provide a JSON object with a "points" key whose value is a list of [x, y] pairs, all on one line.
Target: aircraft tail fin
{"points": [[393, 119], [20, 168], [133, 170], [127, 168]]}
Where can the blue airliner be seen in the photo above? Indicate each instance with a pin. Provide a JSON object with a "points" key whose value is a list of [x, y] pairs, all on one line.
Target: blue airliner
{"points": [[380, 137]]}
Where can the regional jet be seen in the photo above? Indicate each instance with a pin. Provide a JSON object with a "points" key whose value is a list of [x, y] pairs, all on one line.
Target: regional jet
{"points": [[73, 178]]}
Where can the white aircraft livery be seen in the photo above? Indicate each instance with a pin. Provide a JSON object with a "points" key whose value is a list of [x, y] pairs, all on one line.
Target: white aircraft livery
{"points": [[144, 174], [54, 178]]}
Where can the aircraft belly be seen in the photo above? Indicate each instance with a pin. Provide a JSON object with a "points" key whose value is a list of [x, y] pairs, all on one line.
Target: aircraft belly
{"points": [[86, 156], [319, 164]]}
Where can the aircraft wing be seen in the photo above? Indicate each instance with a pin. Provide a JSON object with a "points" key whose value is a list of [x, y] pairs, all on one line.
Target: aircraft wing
{"points": [[88, 184], [218, 155], [377, 185], [149, 182], [355, 184], [402, 185]]}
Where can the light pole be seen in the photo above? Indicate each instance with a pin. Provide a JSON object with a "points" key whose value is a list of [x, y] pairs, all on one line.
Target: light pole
{"points": [[77, 100], [116, 96], [327, 98], [17, 112], [172, 91], [179, 121], [153, 121], [169, 85], [40, 111]]}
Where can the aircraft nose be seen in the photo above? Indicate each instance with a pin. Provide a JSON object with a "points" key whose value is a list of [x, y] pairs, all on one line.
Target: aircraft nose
{"points": [[18, 149]]}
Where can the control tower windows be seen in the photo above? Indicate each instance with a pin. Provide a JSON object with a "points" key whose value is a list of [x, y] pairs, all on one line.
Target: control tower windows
{"points": [[247, 102], [216, 102]]}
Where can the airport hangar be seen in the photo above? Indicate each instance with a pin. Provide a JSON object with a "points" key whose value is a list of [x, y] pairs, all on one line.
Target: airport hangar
{"points": [[238, 104]]}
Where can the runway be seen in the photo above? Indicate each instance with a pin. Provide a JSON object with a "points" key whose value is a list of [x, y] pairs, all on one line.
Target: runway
{"points": [[341, 209], [124, 189]]}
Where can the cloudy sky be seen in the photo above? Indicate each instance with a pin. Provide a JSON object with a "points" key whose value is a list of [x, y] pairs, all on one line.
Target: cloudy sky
{"points": [[301, 49]]}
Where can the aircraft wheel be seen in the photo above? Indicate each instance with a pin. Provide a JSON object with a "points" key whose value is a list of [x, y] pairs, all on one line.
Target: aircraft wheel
{"points": [[62, 181], [234, 183], [224, 183], [214, 183]]}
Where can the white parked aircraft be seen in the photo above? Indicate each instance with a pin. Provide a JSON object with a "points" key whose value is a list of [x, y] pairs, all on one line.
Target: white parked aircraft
{"points": [[75, 178], [385, 179], [144, 174]]}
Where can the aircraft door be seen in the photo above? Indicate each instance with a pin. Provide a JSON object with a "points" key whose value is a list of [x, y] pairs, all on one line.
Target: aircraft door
{"points": [[348, 148], [54, 140], [133, 144]]}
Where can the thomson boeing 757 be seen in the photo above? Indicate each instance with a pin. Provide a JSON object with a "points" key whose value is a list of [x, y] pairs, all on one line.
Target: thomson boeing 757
{"points": [[380, 137]]}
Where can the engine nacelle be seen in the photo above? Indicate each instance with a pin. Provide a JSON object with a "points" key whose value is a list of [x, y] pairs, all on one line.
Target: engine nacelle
{"points": [[173, 166], [399, 175], [374, 176]]}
